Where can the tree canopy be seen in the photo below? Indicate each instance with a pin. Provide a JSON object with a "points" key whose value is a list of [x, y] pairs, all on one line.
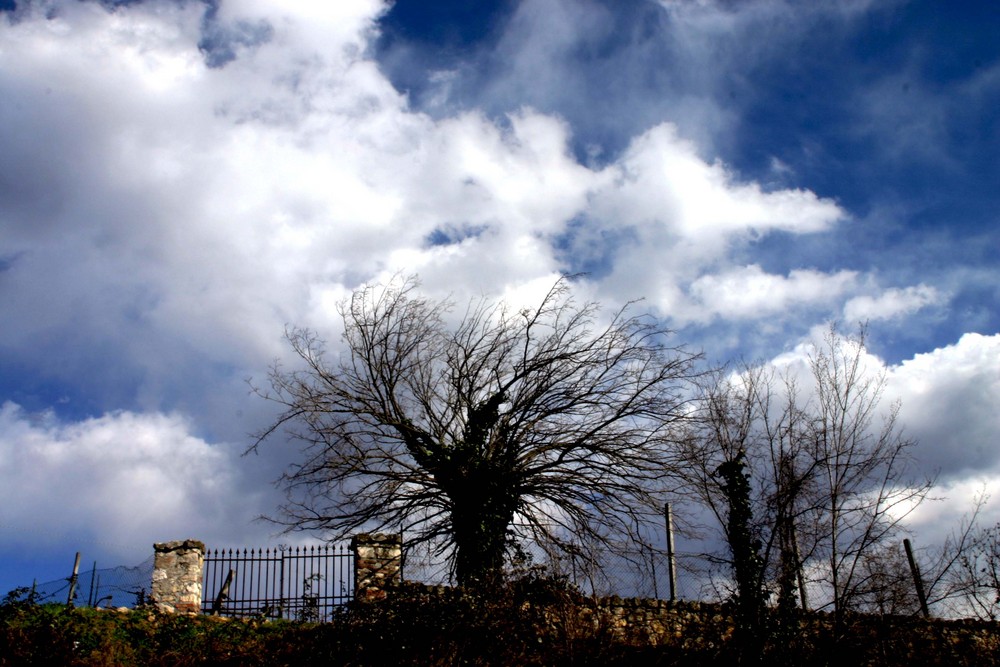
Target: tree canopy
{"points": [[554, 423]]}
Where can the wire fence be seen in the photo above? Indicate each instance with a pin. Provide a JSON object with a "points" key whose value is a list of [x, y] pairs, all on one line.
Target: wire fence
{"points": [[119, 586], [638, 571], [310, 583], [644, 571]]}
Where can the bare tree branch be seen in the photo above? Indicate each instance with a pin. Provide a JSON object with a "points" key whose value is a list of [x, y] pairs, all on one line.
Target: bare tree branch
{"points": [[543, 415]]}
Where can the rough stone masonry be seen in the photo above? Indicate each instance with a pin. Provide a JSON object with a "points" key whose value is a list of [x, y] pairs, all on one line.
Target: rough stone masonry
{"points": [[177, 568], [377, 564]]}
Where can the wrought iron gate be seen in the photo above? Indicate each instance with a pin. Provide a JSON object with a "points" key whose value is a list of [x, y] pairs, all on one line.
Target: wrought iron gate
{"points": [[303, 583]]}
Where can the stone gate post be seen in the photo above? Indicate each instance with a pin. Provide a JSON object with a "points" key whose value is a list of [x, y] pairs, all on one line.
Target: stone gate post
{"points": [[177, 573], [378, 560]]}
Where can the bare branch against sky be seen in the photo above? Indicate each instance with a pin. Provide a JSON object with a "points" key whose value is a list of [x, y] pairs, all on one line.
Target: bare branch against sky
{"points": [[543, 422]]}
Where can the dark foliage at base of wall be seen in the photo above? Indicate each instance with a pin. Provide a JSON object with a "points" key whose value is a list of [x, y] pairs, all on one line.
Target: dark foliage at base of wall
{"points": [[528, 623]]}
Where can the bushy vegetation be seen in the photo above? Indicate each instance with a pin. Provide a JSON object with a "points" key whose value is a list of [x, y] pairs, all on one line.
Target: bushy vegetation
{"points": [[525, 623], [537, 621]]}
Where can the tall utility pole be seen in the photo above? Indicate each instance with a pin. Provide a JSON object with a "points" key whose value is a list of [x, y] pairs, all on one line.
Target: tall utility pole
{"points": [[671, 568]]}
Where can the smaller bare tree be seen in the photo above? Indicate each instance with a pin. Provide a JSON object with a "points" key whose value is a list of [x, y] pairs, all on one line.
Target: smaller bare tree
{"points": [[747, 461], [980, 574], [965, 570], [865, 481], [815, 478]]}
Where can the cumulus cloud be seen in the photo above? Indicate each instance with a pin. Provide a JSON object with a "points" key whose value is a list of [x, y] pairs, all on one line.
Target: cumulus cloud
{"points": [[119, 479], [750, 293], [676, 221], [949, 404], [662, 178], [892, 303], [173, 210]]}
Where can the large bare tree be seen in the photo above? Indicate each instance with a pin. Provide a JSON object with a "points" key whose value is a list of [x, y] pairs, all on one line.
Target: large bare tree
{"points": [[547, 422]]}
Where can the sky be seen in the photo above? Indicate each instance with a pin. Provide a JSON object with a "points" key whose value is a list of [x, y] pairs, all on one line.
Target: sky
{"points": [[182, 180]]}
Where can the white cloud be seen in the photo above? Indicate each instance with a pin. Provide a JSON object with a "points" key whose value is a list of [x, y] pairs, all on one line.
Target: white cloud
{"points": [[661, 178], [892, 303], [949, 404], [122, 478], [681, 219], [947, 398], [236, 199], [750, 293], [953, 502]]}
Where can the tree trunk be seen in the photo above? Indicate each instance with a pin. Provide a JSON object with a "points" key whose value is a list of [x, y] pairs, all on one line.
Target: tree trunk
{"points": [[484, 499]]}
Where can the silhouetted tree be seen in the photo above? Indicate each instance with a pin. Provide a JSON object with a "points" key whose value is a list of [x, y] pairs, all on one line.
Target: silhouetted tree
{"points": [[544, 417], [827, 476], [865, 480]]}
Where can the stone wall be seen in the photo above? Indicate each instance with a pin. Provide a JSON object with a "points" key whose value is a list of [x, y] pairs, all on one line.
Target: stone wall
{"points": [[690, 626], [177, 573], [707, 629], [694, 626]]}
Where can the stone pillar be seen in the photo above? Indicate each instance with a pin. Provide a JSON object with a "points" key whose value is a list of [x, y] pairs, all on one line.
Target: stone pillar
{"points": [[177, 573], [378, 560]]}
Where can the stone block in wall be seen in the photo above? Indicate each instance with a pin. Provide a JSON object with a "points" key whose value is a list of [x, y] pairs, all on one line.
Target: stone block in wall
{"points": [[177, 576]]}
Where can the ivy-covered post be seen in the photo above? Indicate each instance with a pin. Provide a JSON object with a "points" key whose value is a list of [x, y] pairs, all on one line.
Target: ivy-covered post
{"points": [[747, 564]]}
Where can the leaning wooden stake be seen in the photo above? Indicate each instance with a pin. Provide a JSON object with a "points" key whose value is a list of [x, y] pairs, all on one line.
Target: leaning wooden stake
{"points": [[93, 576], [223, 593], [73, 578], [917, 580]]}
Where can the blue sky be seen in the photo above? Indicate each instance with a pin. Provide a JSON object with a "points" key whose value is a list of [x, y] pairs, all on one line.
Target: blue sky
{"points": [[180, 180], [888, 108]]}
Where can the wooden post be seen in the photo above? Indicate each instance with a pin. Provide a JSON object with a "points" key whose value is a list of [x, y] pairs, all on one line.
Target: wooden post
{"points": [[671, 566], [90, 596], [917, 580], [799, 577], [652, 565], [72, 580]]}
